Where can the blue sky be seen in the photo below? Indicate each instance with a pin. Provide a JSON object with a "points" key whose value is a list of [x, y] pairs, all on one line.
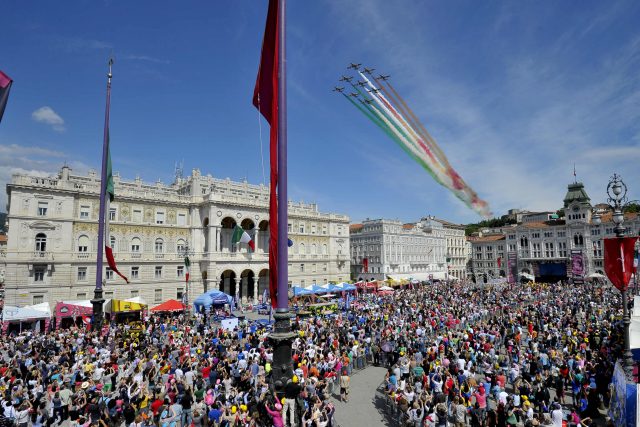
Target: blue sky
{"points": [[514, 93]]}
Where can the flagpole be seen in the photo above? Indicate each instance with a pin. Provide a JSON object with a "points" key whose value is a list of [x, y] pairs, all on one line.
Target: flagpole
{"points": [[97, 300], [282, 336]]}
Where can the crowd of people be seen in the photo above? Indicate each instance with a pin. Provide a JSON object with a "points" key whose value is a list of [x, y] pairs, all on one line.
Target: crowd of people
{"points": [[479, 356], [537, 354]]}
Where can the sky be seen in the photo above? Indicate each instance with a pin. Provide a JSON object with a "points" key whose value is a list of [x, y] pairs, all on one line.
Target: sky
{"points": [[515, 94]]}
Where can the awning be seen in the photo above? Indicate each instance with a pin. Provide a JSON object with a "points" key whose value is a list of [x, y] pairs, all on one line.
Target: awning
{"points": [[168, 306], [120, 306], [422, 276]]}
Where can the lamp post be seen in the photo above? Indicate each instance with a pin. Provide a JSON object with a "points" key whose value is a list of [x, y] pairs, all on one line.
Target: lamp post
{"points": [[186, 253], [617, 202]]}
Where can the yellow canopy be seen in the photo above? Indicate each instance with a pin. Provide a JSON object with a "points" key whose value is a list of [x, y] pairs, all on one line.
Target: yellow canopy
{"points": [[119, 306]]}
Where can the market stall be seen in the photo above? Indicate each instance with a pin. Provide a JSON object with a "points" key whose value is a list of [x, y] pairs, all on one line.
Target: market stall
{"points": [[127, 311], [17, 319], [169, 306], [78, 313]]}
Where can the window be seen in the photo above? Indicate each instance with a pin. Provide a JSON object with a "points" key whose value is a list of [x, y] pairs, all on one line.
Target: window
{"points": [[38, 273], [83, 243], [289, 227], [302, 283], [38, 299], [84, 211], [578, 240], [548, 234], [112, 242], [180, 271], [81, 295], [324, 249], [137, 215], [109, 295], [562, 249], [108, 274], [135, 245], [179, 294], [135, 293], [314, 268], [159, 246], [302, 268], [313, 229], [537, 252], [135, 272], [82, 274], [562, 234], [181, 246], [158, 272], [159, 217], [535, 235], [314, 249], [42, 208], [597, 249], [41, 242], [324, 229], [302, 248], [548, 250], [112, 214], [182, 219], [301, 228], [595, 231], [157, 295]]}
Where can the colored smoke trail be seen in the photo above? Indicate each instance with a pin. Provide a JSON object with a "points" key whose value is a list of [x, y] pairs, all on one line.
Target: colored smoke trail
{"points": [[384, 106]]}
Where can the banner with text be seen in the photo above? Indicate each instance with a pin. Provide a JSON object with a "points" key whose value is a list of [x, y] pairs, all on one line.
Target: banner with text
{"points": [[577, 266], [512, 267]]}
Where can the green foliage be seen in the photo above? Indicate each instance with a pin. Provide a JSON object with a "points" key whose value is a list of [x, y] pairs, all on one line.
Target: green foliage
{"points": [[632, 208], [488, 223], [560, 213]]}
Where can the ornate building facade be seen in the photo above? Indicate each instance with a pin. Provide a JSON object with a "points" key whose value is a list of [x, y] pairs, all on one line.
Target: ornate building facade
{"points": [[53, 227], [544, 246], [382, 249]]}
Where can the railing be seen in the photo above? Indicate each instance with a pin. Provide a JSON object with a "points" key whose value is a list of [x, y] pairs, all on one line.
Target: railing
{"points": [[42, 255]]}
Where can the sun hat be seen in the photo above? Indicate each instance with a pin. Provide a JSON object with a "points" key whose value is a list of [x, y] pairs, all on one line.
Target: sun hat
{"points": [[85, 385]]}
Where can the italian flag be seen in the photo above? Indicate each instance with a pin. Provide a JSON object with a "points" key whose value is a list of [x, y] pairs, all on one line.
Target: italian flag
{"points": [[241, 236], [110, 195], [187, 267]]}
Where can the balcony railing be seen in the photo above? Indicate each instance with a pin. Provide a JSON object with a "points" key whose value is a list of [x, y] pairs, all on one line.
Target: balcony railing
{"points": [[42, 255]]}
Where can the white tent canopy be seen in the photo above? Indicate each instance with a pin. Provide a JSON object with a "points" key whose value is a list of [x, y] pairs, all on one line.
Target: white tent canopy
{"points": [[137, 300], [17, 314]]}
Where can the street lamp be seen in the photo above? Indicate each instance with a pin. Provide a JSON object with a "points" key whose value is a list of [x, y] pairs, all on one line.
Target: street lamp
{"points": [[186, 253], [617, 202]]}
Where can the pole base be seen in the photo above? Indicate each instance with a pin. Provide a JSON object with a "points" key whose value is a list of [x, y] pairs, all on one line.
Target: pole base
{"points": [[281, 339], [98, 315]]}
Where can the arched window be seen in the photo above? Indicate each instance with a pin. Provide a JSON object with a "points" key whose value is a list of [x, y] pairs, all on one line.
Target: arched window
{"points": [[112, 242], [159, 248], [314, 249], [581, 240], [136, 245], [324, 249], [181, 246], [302, 248], [83, 243], [308, 249], [41, 242]]}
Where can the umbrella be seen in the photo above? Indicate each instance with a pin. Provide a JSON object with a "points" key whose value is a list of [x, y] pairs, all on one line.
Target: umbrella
{"points": [[327, 296], [596, 276], [385, 288]]}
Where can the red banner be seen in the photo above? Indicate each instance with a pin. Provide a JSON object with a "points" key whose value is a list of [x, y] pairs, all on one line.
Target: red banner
{"points": [[618, 260], [365, 265]]}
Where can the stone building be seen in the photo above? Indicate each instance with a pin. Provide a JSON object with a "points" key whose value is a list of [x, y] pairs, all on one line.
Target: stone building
{"points": [[53, 225]]}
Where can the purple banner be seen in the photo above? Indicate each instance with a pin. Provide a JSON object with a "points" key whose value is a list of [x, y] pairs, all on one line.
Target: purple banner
{"points": [[512, 267], [577, 265]]}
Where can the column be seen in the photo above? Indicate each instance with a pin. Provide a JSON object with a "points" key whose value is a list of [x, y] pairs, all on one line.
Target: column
{"points": [[255, 288], [256, 240]]}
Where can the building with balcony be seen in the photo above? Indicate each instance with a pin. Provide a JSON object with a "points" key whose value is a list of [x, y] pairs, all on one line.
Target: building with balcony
{"points": [[383, 248], [456, 249], [545, 249], [53, 228]]}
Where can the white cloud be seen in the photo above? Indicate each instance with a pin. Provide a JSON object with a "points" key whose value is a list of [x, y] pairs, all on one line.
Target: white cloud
{"points": [[48, 116], [42, 162], [145, 58]]}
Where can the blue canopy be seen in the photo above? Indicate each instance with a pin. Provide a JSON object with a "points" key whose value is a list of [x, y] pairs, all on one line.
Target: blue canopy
{"points": [[347, 287], [298, 291], [210, 298], [317, 289]]}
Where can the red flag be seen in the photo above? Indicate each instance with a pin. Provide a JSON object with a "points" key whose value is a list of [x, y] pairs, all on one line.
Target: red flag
{"points": [[5, 87], [365, 264], [618, 260], [265, 98], [499, 262]]}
